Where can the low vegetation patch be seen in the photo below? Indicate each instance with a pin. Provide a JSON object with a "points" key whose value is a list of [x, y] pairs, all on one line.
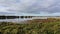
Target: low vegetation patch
{"points": [[49, 26]]}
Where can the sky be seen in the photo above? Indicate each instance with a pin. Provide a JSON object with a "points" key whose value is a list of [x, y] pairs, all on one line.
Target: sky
{"points": [[30, 7]]}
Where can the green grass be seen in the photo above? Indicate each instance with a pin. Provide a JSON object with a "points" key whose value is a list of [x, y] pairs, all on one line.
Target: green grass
{"points": [[32, 28]]}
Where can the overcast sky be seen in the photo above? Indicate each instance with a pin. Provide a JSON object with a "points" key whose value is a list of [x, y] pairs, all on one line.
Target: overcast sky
{"points": [[30, 7]]}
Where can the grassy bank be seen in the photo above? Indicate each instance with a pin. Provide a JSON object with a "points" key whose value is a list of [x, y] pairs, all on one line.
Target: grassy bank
{"points": [[49, 26]]}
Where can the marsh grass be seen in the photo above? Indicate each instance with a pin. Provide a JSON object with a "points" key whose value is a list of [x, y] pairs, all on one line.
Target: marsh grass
{"points": [[33, 27]]}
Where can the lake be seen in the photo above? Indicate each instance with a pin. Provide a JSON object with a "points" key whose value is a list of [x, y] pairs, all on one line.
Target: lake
{"points": [[15, 20]]}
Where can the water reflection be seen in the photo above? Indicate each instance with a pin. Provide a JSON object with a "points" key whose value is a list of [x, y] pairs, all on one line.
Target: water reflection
{"points": [[15, 20]]}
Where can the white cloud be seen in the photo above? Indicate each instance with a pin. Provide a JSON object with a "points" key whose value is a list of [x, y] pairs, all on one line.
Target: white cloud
{"points": [[30, 6], [3, 9]]}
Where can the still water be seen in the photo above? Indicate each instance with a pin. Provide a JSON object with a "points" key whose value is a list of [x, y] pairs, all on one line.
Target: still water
{"points": [[15, 20]]}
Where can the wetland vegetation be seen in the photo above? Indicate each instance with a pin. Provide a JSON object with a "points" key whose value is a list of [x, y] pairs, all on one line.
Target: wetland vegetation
{"points": [[37, 26]]}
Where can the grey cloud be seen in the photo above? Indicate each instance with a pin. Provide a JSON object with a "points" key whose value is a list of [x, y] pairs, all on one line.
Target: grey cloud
{"points": [[32, 6]]}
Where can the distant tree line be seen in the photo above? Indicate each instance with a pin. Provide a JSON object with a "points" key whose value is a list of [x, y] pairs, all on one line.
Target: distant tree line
{"points": [[13, 17]]}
